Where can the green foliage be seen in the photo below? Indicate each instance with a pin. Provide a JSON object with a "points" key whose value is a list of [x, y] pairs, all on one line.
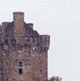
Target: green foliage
{"points": [[54, 78]]}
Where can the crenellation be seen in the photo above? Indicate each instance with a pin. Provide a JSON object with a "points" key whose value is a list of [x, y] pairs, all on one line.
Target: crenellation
{"points": [[4, 24], [31, 43], [29, 25], [44, 42]]}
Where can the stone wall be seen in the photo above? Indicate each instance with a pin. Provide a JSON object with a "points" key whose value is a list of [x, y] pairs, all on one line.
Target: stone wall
{"points": [[23, 52]]}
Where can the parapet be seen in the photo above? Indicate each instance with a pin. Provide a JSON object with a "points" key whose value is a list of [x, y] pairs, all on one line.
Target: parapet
{"points": [[4, 24], [45, 41], [20, 32], [29, 25]]}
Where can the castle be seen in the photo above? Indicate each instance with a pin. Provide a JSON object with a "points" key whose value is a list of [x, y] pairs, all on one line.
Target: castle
{"points": [[23, 51]]}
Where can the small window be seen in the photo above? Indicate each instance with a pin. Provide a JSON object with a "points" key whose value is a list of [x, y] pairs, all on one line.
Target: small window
{"points": [[20, 70], [20, 64], [41, 71], [13, 41], [20, 67]]}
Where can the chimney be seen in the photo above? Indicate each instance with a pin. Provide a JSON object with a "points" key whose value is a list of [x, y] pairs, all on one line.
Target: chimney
{"points": [[18, 18]]}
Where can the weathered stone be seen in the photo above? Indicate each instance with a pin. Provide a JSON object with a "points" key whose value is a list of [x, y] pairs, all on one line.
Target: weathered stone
{"points": [[23, 52]]}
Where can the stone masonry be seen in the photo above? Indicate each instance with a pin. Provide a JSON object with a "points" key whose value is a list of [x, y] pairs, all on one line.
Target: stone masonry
{"points": [[23, 51]]}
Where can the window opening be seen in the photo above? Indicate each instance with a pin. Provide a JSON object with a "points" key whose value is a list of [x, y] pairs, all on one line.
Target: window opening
{"points": [[20, 67], [20, 70], [20, 64]]}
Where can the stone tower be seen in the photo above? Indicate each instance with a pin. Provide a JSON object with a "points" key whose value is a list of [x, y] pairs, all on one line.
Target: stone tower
{"points": [[23, 51]]}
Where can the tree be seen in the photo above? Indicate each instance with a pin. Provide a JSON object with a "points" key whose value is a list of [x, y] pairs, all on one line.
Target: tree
{"points": [[54, 78]]}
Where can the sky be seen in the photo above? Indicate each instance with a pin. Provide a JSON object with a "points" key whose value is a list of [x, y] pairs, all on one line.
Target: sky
{"points": [[61, 20]]}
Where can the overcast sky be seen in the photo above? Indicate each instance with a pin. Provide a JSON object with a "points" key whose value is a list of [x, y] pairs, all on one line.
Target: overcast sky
{"points": [[61, 20]]}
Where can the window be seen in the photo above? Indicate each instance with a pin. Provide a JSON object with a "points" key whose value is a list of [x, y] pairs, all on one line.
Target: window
{"points": [[13, 41], [20, 67], [20, 64], [40, 71], [20, 70]]}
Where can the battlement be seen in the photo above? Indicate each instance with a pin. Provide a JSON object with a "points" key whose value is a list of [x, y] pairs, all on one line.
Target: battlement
{"points": [[45, 40], [4, 24], [25, 42], [22, 33]]}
